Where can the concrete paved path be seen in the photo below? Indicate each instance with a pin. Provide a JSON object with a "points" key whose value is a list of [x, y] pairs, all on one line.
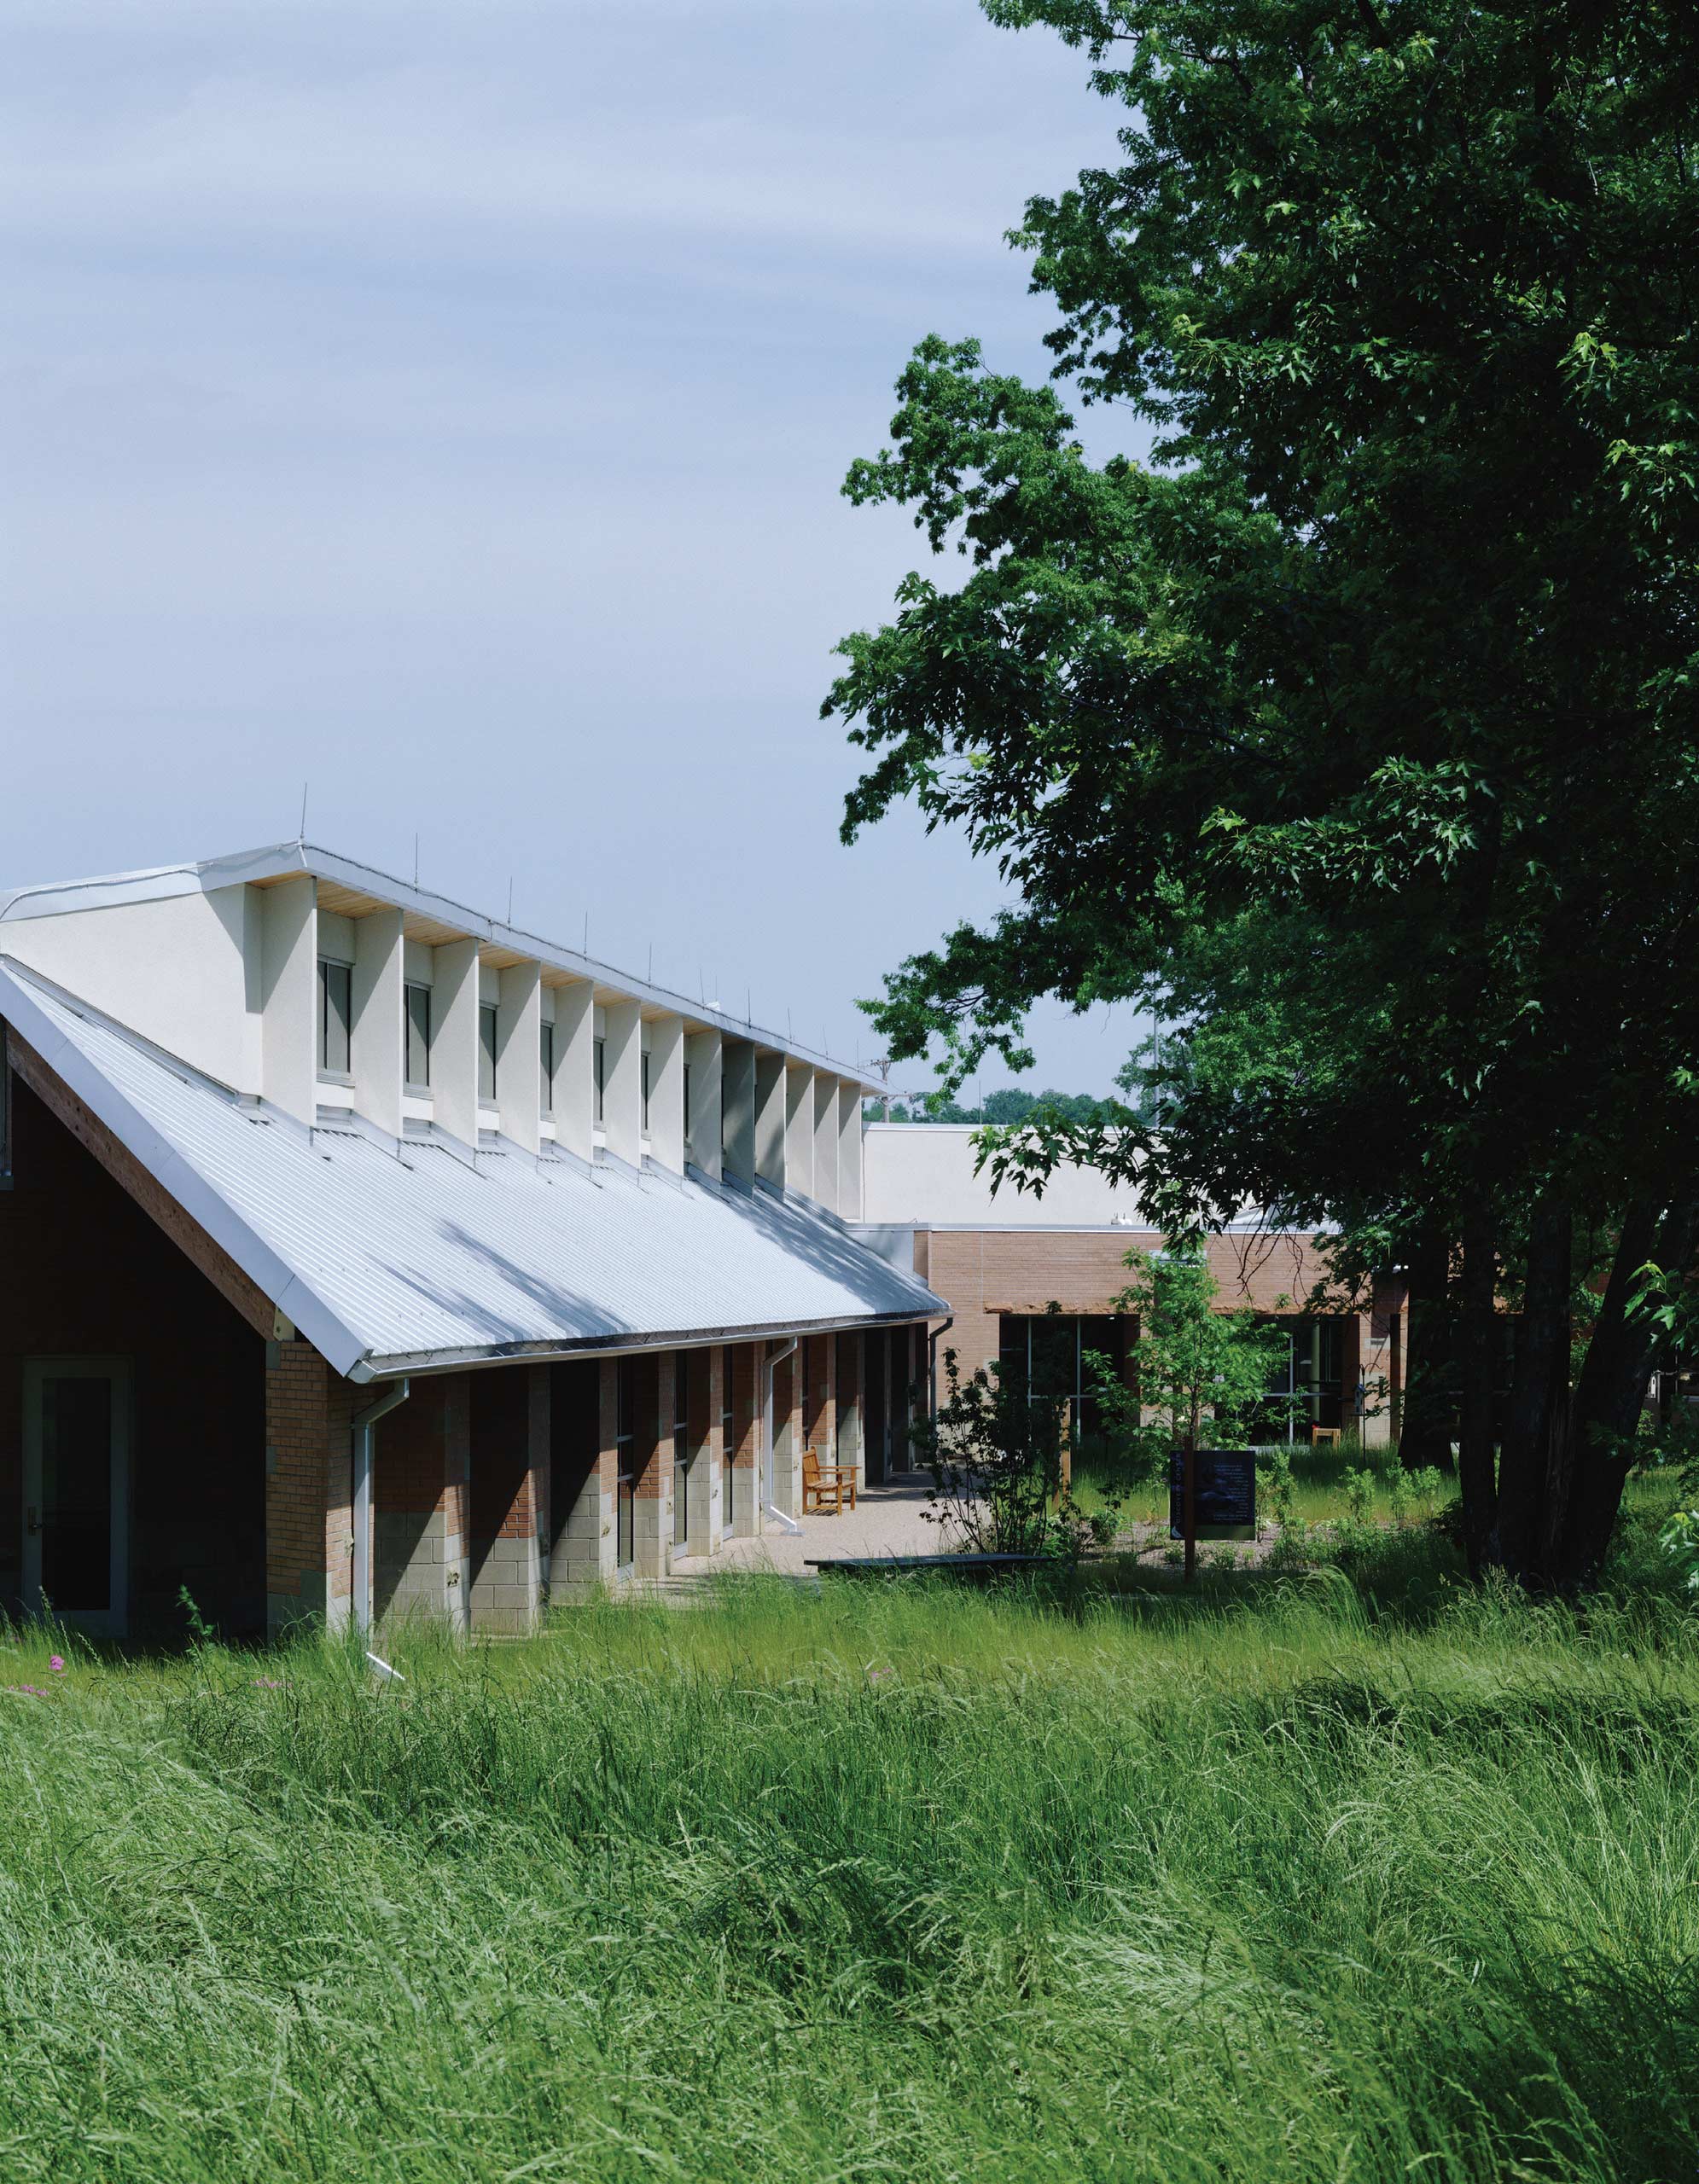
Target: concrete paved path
{"points": [[885, 1521]]}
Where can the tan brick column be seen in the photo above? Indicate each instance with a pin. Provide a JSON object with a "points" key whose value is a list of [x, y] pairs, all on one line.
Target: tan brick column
{"points": [[418, 1503], [744, 1375], [309, 1484], [509, 1412], [654, 1457], [849, 1421], [584, 1409], [820, 1398], [790, 1404], [707, 1403], [457, 1498]]}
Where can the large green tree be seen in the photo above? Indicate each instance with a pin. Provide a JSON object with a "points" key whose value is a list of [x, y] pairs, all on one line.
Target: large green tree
{"points": [[1355, 734]]}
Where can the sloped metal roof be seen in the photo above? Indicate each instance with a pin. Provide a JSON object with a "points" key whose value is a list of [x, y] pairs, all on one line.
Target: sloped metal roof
{"points": [[395, 1256]]}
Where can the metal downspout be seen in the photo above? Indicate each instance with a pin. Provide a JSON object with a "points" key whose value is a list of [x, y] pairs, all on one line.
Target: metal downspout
{"points": [[391, 1399], [777, 1515], [943, 1328]]}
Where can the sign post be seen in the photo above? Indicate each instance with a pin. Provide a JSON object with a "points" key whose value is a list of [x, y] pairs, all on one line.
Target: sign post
{"points": [[1212, 1495]]}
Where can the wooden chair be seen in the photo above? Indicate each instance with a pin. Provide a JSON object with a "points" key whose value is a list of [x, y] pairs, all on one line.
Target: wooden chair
{"points": [[824, 1485], [1320, 1434]]}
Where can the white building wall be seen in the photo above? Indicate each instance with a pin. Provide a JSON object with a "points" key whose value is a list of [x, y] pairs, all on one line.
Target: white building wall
{"points": [[667, 1093], [924, 1172], [575, 1068], [376, 1042], [178, 971], [703, 1051], [289, 997]]}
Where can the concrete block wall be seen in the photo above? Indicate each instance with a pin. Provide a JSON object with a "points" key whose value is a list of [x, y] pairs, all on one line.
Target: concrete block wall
{"points": [[742, 1454], [704, 1486], [420, 1477], [849, 1445], [652, 1555], [820, 1406], [509, 1468], [465, 1471], [583, 1409]]}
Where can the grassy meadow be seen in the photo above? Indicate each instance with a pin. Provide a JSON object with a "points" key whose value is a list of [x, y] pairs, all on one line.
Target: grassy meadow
{"points": [[1327, 1877]]}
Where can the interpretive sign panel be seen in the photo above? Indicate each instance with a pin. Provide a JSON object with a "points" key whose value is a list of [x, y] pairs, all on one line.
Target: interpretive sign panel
{"points": [[1225, 1490]]}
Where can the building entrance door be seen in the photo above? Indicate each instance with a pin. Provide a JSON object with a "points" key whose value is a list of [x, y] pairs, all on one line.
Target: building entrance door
{"points": [[77, 1491]]}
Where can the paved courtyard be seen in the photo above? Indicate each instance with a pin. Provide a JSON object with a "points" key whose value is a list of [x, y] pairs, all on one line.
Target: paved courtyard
{"points": [[885, 1521]]}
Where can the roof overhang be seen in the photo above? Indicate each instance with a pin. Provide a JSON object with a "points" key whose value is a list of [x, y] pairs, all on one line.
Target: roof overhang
{"points": [[23, 1010]]}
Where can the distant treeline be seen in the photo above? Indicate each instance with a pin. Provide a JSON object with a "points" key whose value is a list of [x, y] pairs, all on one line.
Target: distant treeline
{"points": [[1008, 1106]]}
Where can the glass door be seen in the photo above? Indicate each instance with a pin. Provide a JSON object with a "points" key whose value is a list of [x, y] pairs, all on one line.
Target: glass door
{"points": [[77, 1491]]}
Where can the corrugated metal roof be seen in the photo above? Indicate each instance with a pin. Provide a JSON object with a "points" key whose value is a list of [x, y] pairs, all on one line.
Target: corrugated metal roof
{"points": [[390, 1256]]}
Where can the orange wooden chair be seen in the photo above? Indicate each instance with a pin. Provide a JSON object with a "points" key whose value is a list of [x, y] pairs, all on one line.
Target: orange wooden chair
{"points": [[825, 1485]]}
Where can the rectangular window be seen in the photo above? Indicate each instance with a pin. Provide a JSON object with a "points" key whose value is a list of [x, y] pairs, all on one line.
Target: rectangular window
{"points": [[600, 1074], [548, 1065], [1043, 1355], [625, 1477], [687, 1106], [1304, 1388], [645, 1095], [416, 1016], [335, 1014], [487, 1055]]}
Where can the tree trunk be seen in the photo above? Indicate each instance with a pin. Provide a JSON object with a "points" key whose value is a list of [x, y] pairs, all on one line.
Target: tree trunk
{"points": [[1620, 1357], [1429, 1358], [1533, 1463], [1478, 1344]]}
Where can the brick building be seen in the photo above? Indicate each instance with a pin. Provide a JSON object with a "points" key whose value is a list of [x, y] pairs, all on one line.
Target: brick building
{"points": [[1004, 1260], [361, 1253]]}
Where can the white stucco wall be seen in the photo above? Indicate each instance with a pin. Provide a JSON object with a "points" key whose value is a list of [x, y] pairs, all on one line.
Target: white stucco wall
{"points": [[924, 1172], [173, 970]]}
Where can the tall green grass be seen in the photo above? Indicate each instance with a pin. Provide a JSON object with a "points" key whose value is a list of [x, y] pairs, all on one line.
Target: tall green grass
{"points": [[890, 1881]]}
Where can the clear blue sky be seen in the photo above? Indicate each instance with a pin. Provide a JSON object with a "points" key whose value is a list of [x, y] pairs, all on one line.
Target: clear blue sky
{"points": [[444, 401]]}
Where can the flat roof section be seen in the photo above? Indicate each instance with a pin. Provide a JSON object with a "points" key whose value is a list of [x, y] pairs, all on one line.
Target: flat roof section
{"points": [[350, 889]]}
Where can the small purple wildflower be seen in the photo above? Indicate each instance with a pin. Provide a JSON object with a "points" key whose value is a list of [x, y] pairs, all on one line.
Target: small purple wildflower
{"points": [[27, 1690], [268, 1683], [56, 1663]]}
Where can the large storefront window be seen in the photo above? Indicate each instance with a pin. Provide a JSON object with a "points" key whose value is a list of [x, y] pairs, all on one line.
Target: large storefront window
{"points": [[1045, 1352], [1306, 1387]]}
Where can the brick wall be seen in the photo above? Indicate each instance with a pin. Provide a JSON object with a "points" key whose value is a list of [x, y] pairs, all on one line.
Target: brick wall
{"points": [[820, 1414], [419, 1493], [706, 1500], [582, 1403], [743, 1367], [656, 1395], [510, 1463], [984, 1273], [848, 1445], [302, 1578]]}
